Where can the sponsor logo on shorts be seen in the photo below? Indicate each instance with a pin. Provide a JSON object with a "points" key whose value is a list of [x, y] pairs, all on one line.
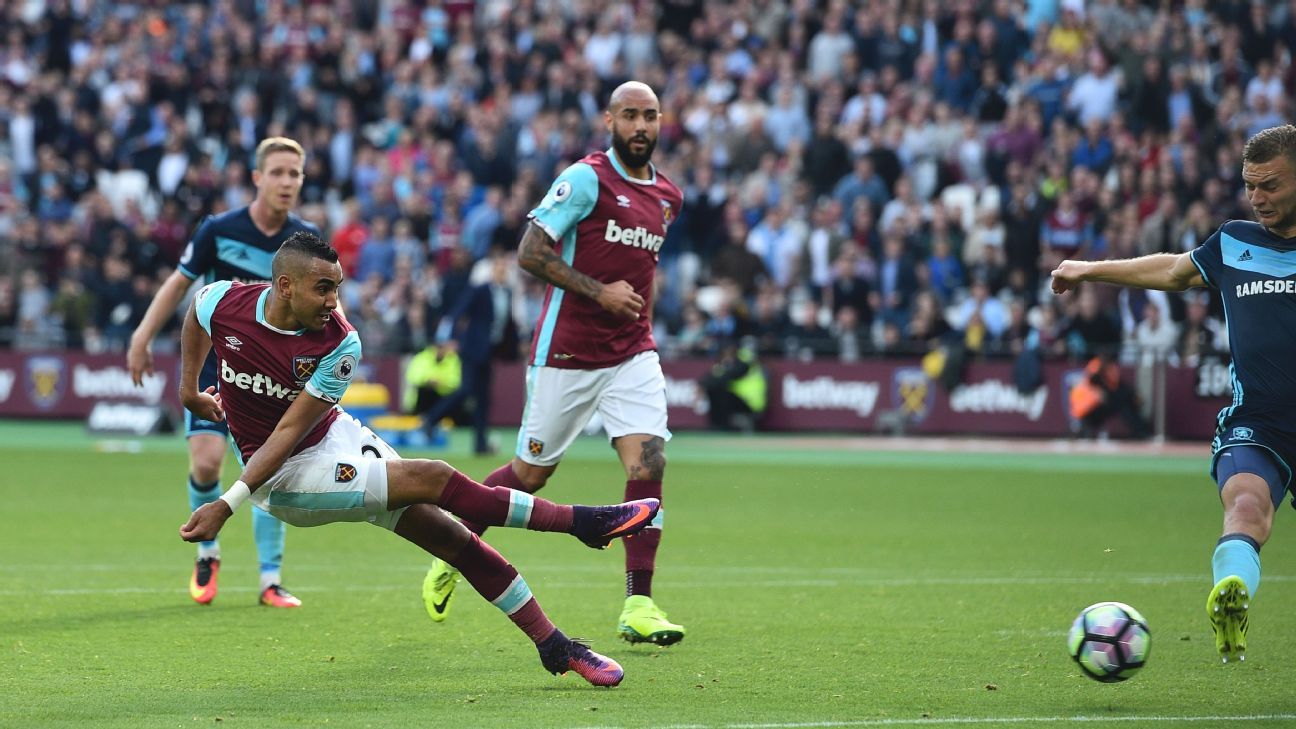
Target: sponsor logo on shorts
{"points": [[304, 366], [345, 473], [1243, 434], [535, 447]]}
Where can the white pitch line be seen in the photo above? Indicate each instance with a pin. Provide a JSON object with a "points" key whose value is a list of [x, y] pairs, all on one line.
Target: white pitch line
{"points": [[866, 582], [972, 721]]}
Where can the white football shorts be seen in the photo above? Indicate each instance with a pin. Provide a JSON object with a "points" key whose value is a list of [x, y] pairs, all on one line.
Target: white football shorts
{"points": [[341, 478], [630, 398]]}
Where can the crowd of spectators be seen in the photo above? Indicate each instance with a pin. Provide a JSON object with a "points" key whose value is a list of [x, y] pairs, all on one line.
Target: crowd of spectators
{"points": [[861, 178]]}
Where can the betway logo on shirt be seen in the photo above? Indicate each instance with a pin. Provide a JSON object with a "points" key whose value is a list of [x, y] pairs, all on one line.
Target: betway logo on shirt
{"points": [[259, 384], [637, 237]]}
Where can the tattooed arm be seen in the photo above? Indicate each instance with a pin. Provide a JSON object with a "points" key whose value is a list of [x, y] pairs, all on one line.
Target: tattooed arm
{"points": [[536, 256]]}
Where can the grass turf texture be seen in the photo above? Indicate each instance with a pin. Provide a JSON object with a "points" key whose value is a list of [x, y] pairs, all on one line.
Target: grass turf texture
{"points": [[819, 588]]}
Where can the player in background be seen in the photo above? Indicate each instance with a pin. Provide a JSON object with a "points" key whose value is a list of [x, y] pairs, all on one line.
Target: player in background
{"points": [[1253, 265], [309, 463], [594, 239], [237, 245]]}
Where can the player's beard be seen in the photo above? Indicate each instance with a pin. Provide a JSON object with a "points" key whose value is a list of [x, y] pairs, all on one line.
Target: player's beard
{"points": [[631, 159]]}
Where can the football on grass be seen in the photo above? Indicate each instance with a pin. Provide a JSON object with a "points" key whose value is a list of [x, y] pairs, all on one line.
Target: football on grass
{"points": [[1110, 641]]}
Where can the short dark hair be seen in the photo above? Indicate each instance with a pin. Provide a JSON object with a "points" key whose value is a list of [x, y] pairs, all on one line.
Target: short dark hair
{"points": [[302, 245], [1270, 143]]}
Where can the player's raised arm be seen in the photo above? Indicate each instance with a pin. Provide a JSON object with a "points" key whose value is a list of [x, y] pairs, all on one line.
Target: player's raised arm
{"points": [[536, 255], [1160, 271]]}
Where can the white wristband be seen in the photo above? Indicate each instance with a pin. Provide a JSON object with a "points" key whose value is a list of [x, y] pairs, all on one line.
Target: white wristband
{"points": [[236, 495]]}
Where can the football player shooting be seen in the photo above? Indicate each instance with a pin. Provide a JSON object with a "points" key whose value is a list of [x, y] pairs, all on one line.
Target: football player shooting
{"points": [[1253, 266], [237, 245], [309, 463]]}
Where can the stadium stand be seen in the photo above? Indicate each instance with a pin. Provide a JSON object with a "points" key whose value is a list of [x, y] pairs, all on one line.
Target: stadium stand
{"points": [[851, 169]]}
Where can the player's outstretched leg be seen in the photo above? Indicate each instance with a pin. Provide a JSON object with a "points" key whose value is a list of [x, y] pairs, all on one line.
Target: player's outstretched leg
{"points": [[496, 580], [596, 526], [1226, 607], [438, 587]]}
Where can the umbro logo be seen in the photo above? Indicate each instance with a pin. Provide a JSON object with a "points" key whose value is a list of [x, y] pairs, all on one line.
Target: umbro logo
{"points": [[623, 201], [1246, 255], [233, 343]]}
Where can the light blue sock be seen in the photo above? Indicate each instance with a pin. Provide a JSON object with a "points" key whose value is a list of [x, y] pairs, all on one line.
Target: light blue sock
{"points": [[1238, 554], [269, 534], [200, 494]]}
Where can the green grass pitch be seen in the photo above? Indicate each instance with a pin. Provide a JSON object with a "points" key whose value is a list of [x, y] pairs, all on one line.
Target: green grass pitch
{"points": [[821, 587]]}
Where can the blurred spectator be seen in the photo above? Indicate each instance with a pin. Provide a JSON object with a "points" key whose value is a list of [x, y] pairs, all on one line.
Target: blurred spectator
{"points": [[432, 375], [8, 313], [1202, 335], [824, 244], [849, 333], [1093, 96], [1100, 393], [478, 322], [377, 254], [1090, 329], [73, 309], [983, 319], [862, 183], [33, 316], [805, 337], [736, 390], [778, 242], [691, 339], [897, 280], [1067, 233], [1156, 337]]}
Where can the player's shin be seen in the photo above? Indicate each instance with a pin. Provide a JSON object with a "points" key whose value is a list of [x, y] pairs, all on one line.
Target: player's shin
{"points": [[200, 494], [269, 535], [496, 580], [641, 549], [1237, 554]]}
